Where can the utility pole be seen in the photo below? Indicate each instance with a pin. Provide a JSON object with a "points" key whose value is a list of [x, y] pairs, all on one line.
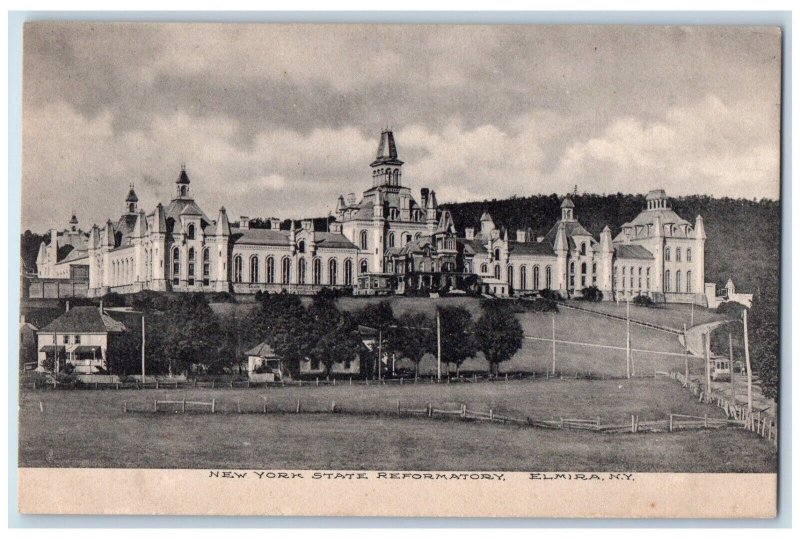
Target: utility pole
{"points": [[692, 319], [142, 347], [628, 339], [439, 347], [730, 354], [685, 358], [747, 361], [554, 344], [707, 348], [380, 352]]}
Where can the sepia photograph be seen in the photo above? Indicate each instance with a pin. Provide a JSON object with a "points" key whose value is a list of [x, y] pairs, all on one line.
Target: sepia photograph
{"points": [[473, 261]]}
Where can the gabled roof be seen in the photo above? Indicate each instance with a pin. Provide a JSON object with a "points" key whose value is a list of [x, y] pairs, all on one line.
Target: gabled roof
{"points": [[633, 252], [261, 350], [333, 240], [184, 206], [260, 236], [84, 320], [571, 228], [532, 248]]}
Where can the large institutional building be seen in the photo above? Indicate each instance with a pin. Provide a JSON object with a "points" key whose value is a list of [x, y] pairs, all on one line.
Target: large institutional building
{"points": [[385, 242]]}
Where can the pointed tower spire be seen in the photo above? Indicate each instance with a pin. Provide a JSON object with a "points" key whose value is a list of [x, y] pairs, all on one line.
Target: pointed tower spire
{"points": [[182, 183], [223, 225], [386, 169], [699, 228], [131, 201], [561, 238], [159, 220], [141, 224], [110, 241], [567, 209]]}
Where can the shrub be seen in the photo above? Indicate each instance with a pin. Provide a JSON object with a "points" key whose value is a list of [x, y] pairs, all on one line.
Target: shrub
{"points": [[591, 293], [550, 294], [541, 305], [643, 301], [731, 308]]}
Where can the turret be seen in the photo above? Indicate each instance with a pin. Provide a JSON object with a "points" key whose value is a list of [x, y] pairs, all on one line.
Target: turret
{"points": [[487, 223], [223, 225], [131, 201], [41, 261], [73, 223], [377, 209], [699, 259], [182, 184], [159, 220], [567, 209], [699, 228], [386, 169], [606, 267], [561, 247], [109, 239], [140, 226], [658, 254]]}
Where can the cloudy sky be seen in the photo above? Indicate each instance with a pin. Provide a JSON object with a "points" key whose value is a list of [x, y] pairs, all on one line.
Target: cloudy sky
{"points": [[278, 120]]}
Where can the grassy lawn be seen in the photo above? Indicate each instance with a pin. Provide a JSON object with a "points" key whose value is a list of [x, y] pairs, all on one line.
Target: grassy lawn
{"points": [[673, 315], [89, 429]]}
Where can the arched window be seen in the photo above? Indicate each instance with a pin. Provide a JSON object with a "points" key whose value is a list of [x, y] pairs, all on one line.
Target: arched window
{"points": [[640, 278], [594, 273], [390, 241], [688, 254], [632, 276], [678, 281], [648, 278], [536, 277], [666, 254], [497, 254], [677, 254], [583, 274], [666, 281], [301, 271], [286, 270], [176, 266], [348, 272], [484, 269], [363, 242], [237, 269], [191, 265], [301, 246], [270, 270], [316, 271], [190, 232], [254, 269], [688, 278], [363, 267], [497, 271], [523, 278], [406, 238], [583, 248], [332, 271], [206, 267], [510, 275], [548, 277]]}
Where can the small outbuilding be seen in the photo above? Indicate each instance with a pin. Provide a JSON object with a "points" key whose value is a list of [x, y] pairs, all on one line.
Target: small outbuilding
{"points": [[263, 362]]}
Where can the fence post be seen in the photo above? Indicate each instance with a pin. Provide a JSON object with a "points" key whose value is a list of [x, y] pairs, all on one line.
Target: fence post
{"points": [[212, 383], [41, 407], [351, 380], [463, 411], [334, 381], [297, 410], [125, 407], [238, 406], [491, 415], [430, 408], [333, 407], [183, 406], [398, 408], [670, 422], [633, 424], [155, 406], [265, 406], [316, 381]]}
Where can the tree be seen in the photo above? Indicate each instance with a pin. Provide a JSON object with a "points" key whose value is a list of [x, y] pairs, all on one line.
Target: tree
{"points": [[341, 344], [123, 354], [457, 336], [413, 338], [380, 317], [284, 323], [764, 338], [591, 293], [190, 334], [498, 333]]}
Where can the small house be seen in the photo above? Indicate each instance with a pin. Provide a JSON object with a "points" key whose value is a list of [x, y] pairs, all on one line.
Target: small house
{"points": [[80, 338], [263, 362]]}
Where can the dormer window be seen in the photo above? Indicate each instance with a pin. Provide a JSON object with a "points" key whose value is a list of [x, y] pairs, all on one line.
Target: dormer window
{"points": [[301, 246], [190, 232]]}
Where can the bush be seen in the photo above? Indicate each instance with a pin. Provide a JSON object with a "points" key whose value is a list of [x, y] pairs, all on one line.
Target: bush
{"points": [[731, 308], [643, 301], [540, 305], [221, 297], [333, 293], [550, 294], [591, 293]]}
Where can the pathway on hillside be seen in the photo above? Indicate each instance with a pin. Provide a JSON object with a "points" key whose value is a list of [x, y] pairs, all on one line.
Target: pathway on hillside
{"points": [[694, 337]]}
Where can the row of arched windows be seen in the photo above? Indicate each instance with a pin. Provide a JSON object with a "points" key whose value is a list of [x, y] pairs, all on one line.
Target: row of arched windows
{"points": [[191, 272], [123, 272], [634, 278], [679, 285], [269, 276], [391, 239], [523, 277], [668, 254]]}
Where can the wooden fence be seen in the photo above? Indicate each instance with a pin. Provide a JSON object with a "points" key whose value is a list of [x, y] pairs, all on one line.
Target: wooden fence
{"points": [[758, 421]]}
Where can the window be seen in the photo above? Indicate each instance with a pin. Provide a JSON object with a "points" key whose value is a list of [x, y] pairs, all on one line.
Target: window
{"points": [[191, 265], [510, 275], [594, 273], [497, 254], [270, 270], [254, 269], [689, 254], [390, 240], [363, 239], [666, 281], [640, 278], [301, 271], [631, 276], [678, 254], [548, 277], [66, 339], [523, 278], [484, 269], [176, 266], [206, 267], [407, 238], [583, 249], [666, 254], [301, 246], [678, 281], [536, 277], [648, 278], [316, 271], [497, 271], [286, 270], [237, 269], [77, 339], [348, 272], [363, 266], [332, 271], [583, 274], [688, 279], [190, 231]]}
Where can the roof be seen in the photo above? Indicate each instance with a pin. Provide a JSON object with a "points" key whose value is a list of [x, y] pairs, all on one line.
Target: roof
{"points": [[262, 236], [541, 248], [667, 216], [387, 150], [132, 196], [183, 177], [86, 348], [567, 203], [261, 350], [333, 240], [183, 206], [633, 252], [84, 320], [571, 228], [49, 348], [477, 245], [656, 194]]}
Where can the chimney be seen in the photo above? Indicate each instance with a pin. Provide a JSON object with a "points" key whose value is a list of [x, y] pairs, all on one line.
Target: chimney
{"points": [[274, 223], [521, 236], [423, 195], [101, 306], [307, 224], [244, 222], [351, 199], [469, 233]]}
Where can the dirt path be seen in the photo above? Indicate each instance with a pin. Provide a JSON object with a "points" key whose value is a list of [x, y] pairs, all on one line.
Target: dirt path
{"points": [[694, 337]]}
